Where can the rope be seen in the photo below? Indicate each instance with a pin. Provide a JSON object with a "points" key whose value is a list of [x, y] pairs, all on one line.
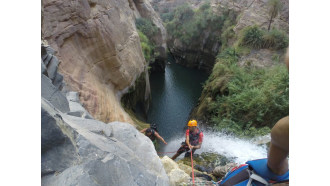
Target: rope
{"points": [[165, 152], [192, 168]]}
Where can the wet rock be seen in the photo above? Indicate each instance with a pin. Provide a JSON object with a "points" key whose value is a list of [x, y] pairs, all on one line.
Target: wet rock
{"points": [[206, 161]]}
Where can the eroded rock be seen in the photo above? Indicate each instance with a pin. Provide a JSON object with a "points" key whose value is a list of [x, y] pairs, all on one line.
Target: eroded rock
{"points": [[79, 151], [99, 49]]}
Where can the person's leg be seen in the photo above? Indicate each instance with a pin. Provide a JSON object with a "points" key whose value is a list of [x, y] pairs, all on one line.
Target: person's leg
{"points": [[176, 155], [180, 151], [279, 147]]}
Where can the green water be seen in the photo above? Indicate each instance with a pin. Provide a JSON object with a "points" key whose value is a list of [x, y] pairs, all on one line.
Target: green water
{"points": [[174, 95]]}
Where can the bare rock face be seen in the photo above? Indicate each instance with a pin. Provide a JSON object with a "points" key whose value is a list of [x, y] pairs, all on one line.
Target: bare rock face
{"points": [[261, 58], [256, 12], [98, 49]]}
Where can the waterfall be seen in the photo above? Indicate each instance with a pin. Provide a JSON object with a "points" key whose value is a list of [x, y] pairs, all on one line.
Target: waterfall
{"points": [[240, 150]]}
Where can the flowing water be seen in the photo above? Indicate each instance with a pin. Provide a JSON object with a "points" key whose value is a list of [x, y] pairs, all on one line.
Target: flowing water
{"points": [[174, 94], [239, 150]]}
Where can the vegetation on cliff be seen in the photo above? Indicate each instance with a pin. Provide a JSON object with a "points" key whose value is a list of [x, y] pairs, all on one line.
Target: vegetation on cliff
{"points": [[146, 30], [241, 100], [187, 24], [254, 37], [246, 100]]}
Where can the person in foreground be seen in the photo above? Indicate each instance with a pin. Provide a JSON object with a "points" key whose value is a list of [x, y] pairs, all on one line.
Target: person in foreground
{"points": [[194, 140], [273, 170], [152, 135]]}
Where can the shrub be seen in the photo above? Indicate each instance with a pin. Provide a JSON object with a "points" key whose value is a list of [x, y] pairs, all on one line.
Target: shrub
{"points": [[252, 36], [167, 17], [147, 47], [275, 39], [146, 26]]}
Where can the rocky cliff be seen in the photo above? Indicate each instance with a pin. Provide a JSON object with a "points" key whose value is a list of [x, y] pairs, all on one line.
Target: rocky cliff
{"points": [[201, 53], [79, 150], [159, 39], [99, 50]]}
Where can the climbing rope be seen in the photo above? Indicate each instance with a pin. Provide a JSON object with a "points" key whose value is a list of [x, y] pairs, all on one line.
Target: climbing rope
{"points": [[165, 152], [192, 168]]}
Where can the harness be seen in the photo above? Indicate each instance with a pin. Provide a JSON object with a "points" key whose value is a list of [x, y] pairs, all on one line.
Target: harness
{"points": [[194, 137], [255, 172], [152, 136]]}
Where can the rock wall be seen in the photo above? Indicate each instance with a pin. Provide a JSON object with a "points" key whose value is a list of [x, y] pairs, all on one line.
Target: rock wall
{"points": [[200, 54], [78, 150], [99, 51]]}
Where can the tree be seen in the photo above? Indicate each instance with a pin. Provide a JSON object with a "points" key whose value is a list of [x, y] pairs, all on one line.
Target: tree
{"points": [[274, 7]]}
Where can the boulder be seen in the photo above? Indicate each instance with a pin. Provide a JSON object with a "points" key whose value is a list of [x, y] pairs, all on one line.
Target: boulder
{"points": [[139, 144], [221, 171], [169, 164], [178, 176], [90, 152]]}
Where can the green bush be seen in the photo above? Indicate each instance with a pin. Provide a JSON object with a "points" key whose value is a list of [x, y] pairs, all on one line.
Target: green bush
{"points": [[253, 36], [275, 39], [167, 17], [147, 47], [146, 27]]}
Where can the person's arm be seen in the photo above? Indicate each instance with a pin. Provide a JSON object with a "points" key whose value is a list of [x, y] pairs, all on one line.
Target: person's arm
{"points": [[279, 147], [187, 141], [199, 142], [197, 146], [143, 130], [159, 137]]}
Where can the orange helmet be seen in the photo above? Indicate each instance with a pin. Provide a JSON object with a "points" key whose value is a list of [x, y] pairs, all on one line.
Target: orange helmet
{"points": [[192, 123]]}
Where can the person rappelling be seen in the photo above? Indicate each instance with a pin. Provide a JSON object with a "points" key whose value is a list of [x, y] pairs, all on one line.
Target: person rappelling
{"points": [[194, 140], [152, 134]]}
